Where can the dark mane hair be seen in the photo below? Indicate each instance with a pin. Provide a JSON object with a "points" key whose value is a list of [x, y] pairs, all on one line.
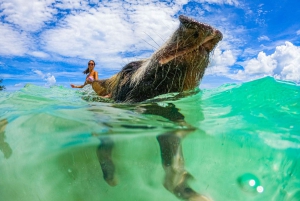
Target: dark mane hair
{"points": [[87, 70]]}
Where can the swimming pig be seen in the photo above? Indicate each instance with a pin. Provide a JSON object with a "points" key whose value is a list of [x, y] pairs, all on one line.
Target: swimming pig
{"points": [[177, 66]]}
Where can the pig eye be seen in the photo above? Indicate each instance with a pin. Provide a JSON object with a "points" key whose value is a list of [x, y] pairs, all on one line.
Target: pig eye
{"points": [[196, 35]]}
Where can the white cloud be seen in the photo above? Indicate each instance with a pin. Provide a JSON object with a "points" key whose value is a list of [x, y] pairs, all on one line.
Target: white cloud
{"points": [[226, 53], [221, 2], [17, 43], [298, 32], [39, 73], [113, 28], [12, 42], [284, 64], [220, 61], [263, 64], [49, 78], [38, 54], [263, 38], [111, 32], [108, 31], [90, 28], [30, 15], [73, 4]]}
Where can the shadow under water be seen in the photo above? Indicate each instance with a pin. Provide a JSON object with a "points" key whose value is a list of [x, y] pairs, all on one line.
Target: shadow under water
{"points": [[218, 144], [4, 146]]}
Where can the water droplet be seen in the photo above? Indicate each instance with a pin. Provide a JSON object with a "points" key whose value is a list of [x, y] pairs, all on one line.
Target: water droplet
{"points": [[69, 170], [250, 183], [260, 189]]}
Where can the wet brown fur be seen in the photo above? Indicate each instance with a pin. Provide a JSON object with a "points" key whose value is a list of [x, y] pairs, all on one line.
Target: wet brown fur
{"points": [[177, 66]]}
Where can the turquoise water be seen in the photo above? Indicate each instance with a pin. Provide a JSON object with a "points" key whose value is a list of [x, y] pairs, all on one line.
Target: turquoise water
{"points": [[245, 144]]}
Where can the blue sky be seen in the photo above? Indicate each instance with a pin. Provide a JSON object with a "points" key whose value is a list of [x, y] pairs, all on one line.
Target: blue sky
{"points": [[49, 42]]}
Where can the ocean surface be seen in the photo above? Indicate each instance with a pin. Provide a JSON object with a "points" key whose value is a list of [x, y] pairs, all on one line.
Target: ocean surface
{"points": [[244, 143]]}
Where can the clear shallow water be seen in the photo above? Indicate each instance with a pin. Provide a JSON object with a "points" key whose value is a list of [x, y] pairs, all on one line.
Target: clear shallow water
{"points": [[246, 145]]}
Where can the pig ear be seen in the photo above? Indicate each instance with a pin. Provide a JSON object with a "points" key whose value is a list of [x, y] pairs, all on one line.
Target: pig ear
{"points": [[188, 22], [184, 20]]}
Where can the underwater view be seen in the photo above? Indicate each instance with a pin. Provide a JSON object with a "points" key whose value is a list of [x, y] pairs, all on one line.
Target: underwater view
{"points": [[232, 143]]}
